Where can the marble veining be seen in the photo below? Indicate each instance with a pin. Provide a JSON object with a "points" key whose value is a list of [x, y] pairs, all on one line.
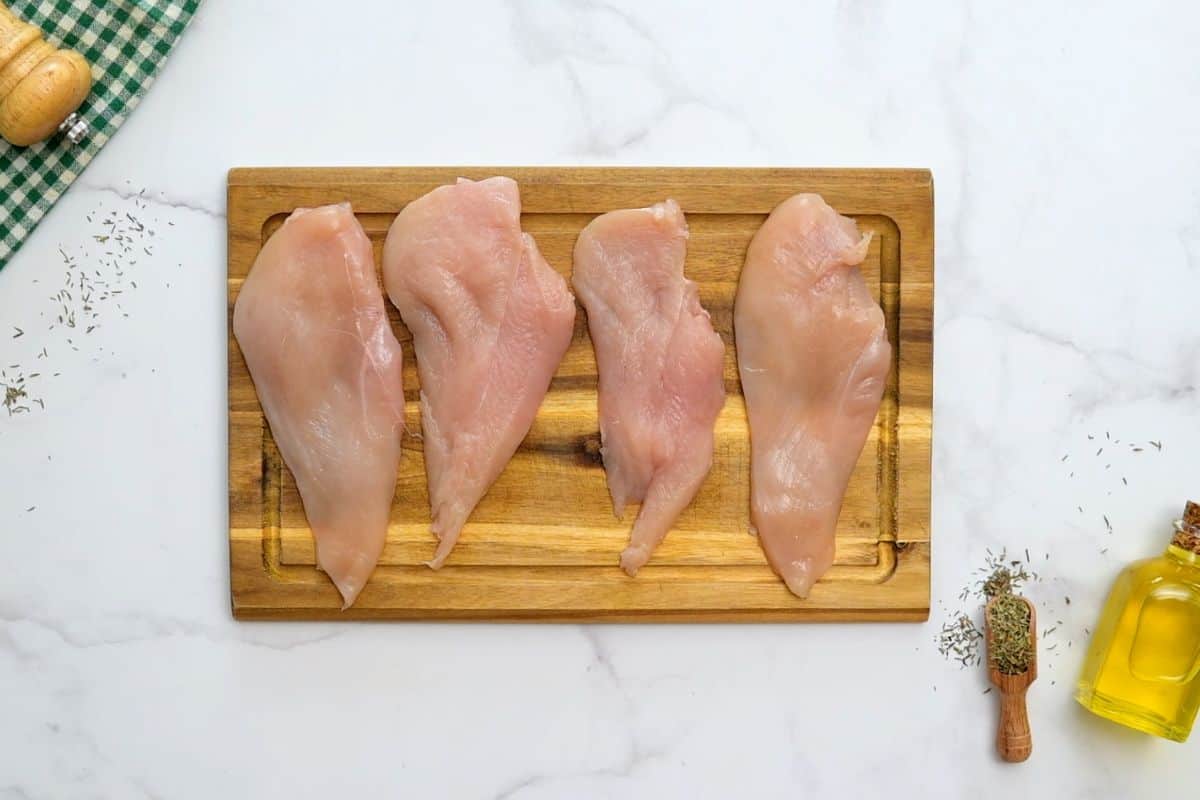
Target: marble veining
{"points": [[161, 199]]}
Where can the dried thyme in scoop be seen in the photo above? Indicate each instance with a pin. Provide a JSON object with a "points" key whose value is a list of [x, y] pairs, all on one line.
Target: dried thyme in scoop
{"points": [[1010, 649]]}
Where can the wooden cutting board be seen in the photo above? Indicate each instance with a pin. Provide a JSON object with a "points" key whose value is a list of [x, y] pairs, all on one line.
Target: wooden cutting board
{"points": [[543, 544]]}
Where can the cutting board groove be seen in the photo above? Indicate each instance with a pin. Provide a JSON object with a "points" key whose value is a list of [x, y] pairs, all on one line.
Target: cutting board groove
{"points": [[543, 544]]}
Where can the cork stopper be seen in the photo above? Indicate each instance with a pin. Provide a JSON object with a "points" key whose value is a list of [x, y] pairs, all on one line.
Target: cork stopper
{"points": [[1187, 530]]}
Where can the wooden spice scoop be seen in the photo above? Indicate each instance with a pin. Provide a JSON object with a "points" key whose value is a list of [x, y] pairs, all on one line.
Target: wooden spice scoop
{"points": [[1014, 741]]}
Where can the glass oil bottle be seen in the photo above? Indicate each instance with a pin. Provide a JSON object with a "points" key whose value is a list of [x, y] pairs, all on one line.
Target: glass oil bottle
{"points": [[1142, 663]]}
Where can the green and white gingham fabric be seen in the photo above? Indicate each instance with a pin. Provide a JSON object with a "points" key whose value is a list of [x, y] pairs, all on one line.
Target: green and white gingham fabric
{"points": [[126, 42]]}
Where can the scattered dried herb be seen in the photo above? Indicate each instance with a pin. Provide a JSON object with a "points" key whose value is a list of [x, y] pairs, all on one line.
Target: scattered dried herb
{"points": [[95, 275], [15, 393], [1005, 578], [960, 641]]}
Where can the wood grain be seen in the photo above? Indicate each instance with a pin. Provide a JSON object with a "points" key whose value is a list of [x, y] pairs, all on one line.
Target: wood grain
{"points": [[543, 544], [1014, 740], [39, 84]]}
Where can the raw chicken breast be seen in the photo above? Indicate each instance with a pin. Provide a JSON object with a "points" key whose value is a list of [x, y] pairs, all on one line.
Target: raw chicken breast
{"points": [[814, 356], [490, 321], [313, 329], [660, 364]]}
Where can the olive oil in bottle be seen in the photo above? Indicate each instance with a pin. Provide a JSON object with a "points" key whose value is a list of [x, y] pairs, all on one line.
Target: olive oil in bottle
{"points": [[1143, 662]]}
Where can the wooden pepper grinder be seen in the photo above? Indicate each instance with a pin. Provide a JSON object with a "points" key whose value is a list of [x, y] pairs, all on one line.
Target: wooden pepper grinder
{"points": [[1014, 742], [40, 87]]}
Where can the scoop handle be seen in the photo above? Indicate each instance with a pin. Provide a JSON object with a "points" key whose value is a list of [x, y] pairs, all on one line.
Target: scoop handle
{"points": [[1014, 741]]}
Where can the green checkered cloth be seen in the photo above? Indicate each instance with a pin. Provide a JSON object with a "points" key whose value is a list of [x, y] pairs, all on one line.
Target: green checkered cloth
{"points": [[125, 41]]}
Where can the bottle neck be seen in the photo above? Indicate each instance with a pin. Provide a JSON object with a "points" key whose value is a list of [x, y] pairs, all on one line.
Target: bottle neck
{"points": [[1185, 544], [1183, 556]]}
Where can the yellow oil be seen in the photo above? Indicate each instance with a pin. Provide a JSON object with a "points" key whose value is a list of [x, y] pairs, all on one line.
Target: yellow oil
{"points": [[1142, 663]]}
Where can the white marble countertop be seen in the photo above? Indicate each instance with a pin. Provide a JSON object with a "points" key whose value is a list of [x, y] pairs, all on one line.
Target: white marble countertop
{"points": [[1063, 144]]}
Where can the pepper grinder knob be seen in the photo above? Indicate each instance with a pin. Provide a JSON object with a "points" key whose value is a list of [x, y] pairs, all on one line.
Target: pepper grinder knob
{"points": [[40, 87]]}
